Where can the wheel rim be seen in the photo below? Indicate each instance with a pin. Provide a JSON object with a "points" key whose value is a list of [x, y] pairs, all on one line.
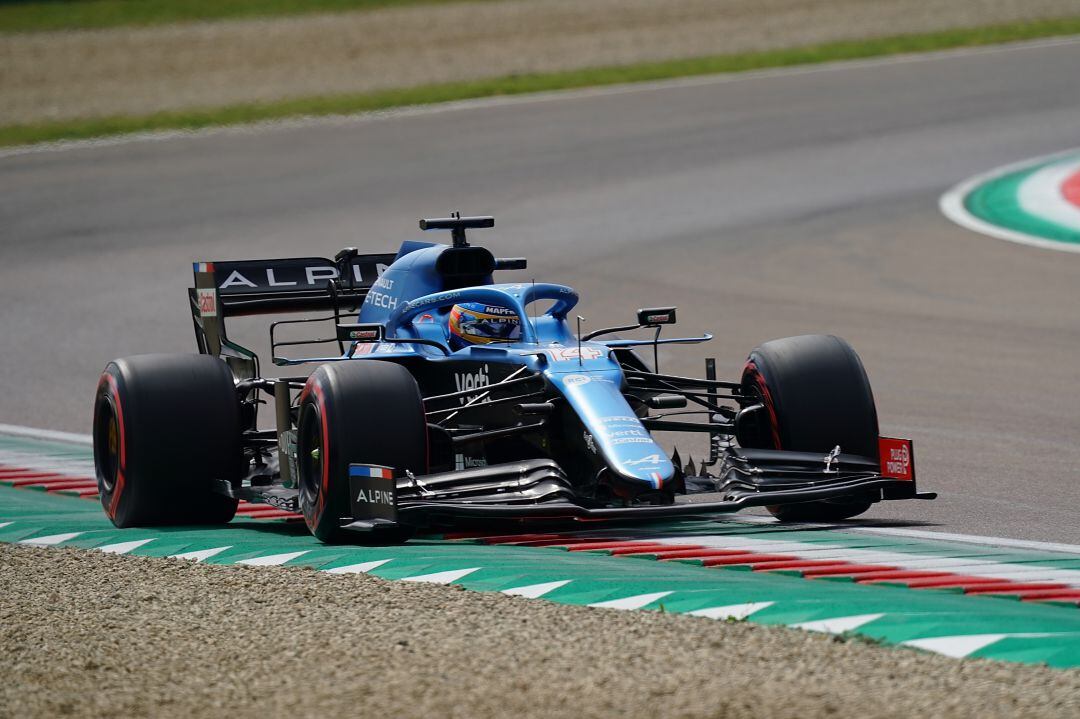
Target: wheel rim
{"points": [[754, 385], [309, 454], [107, 445]]}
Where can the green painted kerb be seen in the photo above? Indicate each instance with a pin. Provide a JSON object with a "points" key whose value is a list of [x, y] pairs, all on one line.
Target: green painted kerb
{"points": [[1033, 633]]}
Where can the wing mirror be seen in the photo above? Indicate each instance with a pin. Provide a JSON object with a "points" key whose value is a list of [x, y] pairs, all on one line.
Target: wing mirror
{"points": [[656, 316]]}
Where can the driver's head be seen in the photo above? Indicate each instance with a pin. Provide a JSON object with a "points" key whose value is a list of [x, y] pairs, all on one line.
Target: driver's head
{"points": [[480, 323]]}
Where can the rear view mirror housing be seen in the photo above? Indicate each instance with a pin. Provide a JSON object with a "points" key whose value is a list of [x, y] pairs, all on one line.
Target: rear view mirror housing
{"points": [[656, 316], [365, 333]]}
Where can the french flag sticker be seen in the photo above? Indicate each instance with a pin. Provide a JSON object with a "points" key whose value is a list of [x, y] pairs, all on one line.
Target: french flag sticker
{"points": [[366, 470], [658, 479], [203, 266]]}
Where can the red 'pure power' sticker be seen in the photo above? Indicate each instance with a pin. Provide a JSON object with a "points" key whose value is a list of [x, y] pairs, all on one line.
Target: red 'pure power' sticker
{"points": [[207, 303], [897, 458]]}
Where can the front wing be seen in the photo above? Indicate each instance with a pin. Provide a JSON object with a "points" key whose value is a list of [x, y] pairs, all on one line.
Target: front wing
{"points": [[538, 491]]}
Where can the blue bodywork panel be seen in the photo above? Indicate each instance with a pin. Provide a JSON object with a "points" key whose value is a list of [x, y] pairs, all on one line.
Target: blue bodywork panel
{"points": [[410, 300]]}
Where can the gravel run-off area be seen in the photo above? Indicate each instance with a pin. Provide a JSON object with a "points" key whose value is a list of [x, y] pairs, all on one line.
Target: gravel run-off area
{"points": [[134, 71], [95, 635]]}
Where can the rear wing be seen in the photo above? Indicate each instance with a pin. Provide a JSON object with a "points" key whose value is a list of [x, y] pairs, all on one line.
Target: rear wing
{"points": [[263, 287], [258, 287]]}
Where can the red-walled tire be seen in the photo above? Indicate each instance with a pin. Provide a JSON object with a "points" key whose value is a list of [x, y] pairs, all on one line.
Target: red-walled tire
{"points": [[362, 411], [166, 427], [816, 396]]}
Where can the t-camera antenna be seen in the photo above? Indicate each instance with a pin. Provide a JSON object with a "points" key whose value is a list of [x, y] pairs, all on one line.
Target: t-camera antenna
{"points": [[580, 319]]}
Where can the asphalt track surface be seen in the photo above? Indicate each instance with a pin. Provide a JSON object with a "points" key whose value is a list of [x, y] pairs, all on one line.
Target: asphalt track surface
{"points": [[763, 205]]}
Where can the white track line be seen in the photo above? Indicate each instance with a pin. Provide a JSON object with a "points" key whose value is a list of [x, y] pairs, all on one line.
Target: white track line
{"points": [[361, 568], [837, 625], [51, 540], [27, 460], [446, 577], [124, 547], [972, 566], [556, 95], [635, 602], [49, 434], [961, 646], [272, 560], [535, 591], [951, 205], [976, 539], [731, 611], [199, 555], [957, 647]]}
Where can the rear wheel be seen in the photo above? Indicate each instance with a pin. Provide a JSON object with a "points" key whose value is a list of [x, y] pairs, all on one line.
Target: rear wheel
{"points": [[166, 427], [366, 412], [816, 396]]}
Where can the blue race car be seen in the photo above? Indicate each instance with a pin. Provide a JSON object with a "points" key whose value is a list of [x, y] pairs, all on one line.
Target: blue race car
{"points": [[454, 400]]}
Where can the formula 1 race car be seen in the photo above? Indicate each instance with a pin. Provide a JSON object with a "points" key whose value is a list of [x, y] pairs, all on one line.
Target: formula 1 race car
{"points": [[454, 400]]}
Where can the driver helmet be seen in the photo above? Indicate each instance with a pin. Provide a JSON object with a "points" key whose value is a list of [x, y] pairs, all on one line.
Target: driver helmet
{"points": [[474, 323]]}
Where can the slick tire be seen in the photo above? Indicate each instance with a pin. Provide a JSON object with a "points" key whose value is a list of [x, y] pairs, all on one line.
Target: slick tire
{"points": [[816, 396], [166, 427], [362, 411]]}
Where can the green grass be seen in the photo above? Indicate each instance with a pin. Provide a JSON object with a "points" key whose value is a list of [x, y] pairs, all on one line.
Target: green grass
{"points": [[515, 85], [40, 15]]}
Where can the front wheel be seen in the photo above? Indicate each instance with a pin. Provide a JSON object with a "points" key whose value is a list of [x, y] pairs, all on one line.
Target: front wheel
{"points": [[360, 411], [816, 396]]}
